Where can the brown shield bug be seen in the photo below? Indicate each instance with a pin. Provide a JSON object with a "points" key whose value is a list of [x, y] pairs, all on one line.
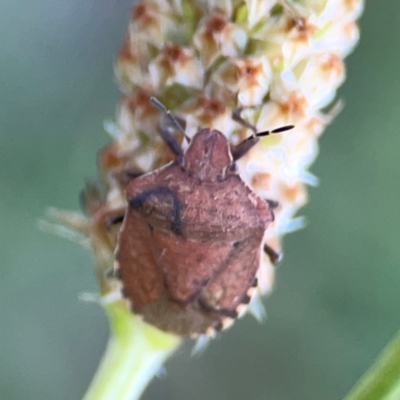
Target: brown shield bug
{"points": [[192, 235]]}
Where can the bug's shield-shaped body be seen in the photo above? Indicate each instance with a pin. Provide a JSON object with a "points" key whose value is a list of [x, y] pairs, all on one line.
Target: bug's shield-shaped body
{"points": [[191, 241]]}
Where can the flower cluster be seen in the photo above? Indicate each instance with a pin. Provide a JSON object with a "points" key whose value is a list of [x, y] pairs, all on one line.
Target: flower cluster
{"points": [[278, 61]]}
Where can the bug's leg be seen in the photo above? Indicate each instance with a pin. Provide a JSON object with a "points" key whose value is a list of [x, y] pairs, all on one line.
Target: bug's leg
{"points": [[273, 204], [236, 116], [104, 225], [126, 175], [91, 198], [113, 273], [274, 256], [110, 222], [132, 173], [104, 222], [114, 219]]}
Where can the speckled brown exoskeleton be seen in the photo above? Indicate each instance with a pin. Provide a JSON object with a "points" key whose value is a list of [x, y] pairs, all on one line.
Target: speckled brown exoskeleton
{"points": [[190, 243]]}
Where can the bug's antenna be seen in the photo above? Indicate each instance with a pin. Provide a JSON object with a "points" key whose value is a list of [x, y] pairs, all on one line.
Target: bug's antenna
{"points": [[165, 128], [175, 121], [277, 130], [237, 116], [243, 147]]}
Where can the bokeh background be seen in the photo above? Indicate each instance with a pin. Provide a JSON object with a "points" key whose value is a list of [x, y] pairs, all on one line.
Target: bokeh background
{"points": [[337, 298]]}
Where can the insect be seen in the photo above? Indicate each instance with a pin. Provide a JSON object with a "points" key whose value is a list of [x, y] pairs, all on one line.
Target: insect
{"points": [[192, 235]]}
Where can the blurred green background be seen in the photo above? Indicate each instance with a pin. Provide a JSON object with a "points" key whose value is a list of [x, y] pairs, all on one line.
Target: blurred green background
{"points": [[337, 297]]}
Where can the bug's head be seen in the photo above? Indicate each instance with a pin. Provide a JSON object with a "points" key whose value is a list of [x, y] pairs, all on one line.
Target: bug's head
{"points": [[208, 154]]}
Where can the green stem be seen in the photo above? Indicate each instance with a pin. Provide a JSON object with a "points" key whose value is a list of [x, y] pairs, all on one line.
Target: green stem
{"points": [[382, 381], [135, 353]]}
